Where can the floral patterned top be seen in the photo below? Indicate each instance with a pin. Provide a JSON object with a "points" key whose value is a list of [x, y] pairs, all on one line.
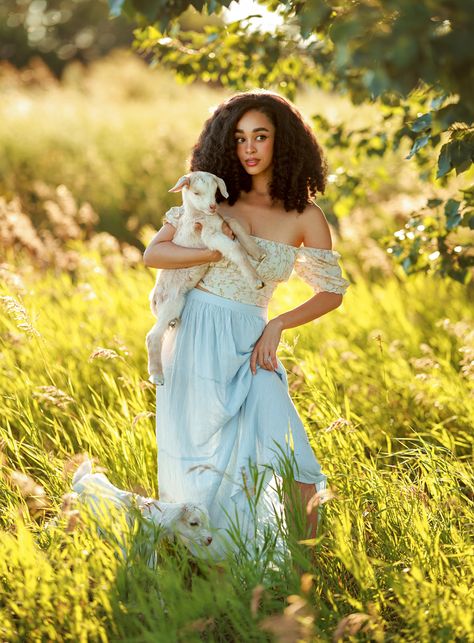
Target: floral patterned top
{"points": [[318, 267]]}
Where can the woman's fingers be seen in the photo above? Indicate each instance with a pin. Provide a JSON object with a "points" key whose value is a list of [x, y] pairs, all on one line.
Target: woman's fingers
{"points": [[266, 360], [253, 361], [258, 357], [228, 230], [265, 357]]}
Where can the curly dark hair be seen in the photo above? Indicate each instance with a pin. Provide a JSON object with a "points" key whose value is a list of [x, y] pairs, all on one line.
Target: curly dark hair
{"points": [[299, 164]]}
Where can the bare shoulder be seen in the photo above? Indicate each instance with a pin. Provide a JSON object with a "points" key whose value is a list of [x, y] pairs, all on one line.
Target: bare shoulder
{"points": [[315, 228]]}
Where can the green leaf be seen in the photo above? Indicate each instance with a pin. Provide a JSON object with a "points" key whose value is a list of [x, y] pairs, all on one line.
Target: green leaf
{"points": [[451, 207], [458, 275], [444, 161], [433, 203], [438, 101], [462, 150], [313, 17], [422, 123], [462, 167], [419, 143], [453, 216]]}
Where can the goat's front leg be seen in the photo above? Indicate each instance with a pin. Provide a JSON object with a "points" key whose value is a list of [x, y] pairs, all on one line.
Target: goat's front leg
{"points": [[245, 240], [233, 251]]}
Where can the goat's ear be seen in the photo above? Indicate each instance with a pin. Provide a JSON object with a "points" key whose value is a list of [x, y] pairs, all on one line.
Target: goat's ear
{"points": [[186, 509], [180, 183], [222, 187]]}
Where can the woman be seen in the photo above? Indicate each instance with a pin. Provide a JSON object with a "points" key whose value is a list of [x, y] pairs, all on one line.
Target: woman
{"points": [[224, 415]]}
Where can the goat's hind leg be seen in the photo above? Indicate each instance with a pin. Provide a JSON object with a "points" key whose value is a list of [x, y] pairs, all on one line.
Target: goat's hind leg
{"points": [[154, 341], [169, 314]]}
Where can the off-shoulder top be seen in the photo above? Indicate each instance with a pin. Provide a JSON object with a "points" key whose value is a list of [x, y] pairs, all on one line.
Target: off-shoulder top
{"points": [[318, 267]]}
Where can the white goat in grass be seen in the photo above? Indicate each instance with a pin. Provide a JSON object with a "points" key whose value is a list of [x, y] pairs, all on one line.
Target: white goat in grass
{"points": [[185, 520], [168, 296]]}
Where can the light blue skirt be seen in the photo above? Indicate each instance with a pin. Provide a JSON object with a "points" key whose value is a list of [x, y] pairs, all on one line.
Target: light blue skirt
{"points": [[225, 435]]}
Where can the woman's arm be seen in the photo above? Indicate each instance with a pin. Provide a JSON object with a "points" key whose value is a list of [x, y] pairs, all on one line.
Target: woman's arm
{"points": [[316, 234], [161, 252]]}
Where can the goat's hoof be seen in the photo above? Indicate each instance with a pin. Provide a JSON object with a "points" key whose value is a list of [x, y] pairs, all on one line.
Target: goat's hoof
{"points": [[260, 285], [262, 256], [173, 322], [156, 378]]}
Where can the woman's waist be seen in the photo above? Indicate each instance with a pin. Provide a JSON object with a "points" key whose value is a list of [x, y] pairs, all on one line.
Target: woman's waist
{"points": [[234, 303]]}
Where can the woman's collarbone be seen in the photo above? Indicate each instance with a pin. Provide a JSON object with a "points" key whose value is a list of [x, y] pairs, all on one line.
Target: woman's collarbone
{"points": [[262, 233]]}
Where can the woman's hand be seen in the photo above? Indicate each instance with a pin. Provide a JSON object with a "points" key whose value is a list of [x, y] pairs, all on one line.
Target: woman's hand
{"points": [[264, 351], [226, 229]]}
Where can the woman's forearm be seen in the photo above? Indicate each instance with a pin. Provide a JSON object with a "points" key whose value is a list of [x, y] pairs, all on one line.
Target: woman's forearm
{"points": [[167, 254], [266, 346], [315, 307]]}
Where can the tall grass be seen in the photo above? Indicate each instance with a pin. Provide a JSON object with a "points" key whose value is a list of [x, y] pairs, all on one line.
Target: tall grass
{"points": [[385, 391]]}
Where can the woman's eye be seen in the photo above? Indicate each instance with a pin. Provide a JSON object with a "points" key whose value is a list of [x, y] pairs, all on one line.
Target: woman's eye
{"points": [[238, 140]]}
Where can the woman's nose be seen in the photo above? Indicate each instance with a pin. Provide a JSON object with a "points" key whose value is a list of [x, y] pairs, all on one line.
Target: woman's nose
{"points": [[250, 147]]}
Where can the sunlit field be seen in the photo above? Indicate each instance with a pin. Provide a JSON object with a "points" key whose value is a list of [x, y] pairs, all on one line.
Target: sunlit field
{"points": [[384, 384]]}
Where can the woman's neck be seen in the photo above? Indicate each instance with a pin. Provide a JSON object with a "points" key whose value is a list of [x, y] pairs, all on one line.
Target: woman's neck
{"points": [[259, 194]]}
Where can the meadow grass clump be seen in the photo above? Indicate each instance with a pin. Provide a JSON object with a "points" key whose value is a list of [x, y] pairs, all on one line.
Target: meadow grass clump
{"points": [[382, 386], [115, 133]]}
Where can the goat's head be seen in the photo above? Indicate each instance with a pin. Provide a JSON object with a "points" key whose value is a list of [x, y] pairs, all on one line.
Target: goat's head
{"points": [[199, 190]]}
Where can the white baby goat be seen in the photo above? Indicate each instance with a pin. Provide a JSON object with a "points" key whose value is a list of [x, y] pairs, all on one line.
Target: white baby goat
{"points": [[168, 296], [186, 520]]}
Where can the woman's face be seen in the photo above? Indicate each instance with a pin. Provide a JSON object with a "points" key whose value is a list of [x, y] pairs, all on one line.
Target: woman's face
{"points": [[254, 137]]}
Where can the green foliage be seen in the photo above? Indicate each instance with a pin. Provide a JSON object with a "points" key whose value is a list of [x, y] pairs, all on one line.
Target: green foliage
{"points": [[399, 54], [209, 55], [59, 31], [430, 228], [428, 42], [384, 386], [433, 238]]}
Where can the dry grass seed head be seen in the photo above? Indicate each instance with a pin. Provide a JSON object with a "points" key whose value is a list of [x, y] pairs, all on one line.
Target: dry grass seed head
{"points": [[104, 353], [33, 493], [19, 314], [53, 396], [350, 625]]}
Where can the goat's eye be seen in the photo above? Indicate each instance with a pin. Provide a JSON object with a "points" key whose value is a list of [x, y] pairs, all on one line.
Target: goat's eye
{"points": [[196, 193]]}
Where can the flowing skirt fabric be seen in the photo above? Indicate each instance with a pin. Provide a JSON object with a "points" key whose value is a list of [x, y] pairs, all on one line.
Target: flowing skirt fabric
{"points": [[221, 431]]}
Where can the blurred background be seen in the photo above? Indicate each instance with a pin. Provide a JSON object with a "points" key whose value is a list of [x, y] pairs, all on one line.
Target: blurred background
{"points": [[92, 137]]}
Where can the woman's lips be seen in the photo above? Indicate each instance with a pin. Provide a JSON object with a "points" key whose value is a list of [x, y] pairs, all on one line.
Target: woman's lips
{"points": [[252, 162]]}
